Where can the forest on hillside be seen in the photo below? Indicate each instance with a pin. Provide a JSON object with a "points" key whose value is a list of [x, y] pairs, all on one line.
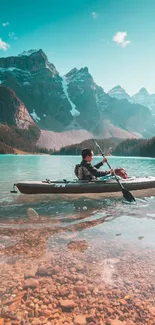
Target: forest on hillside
{"points": [[136, 147], [12, 138], [116, 147], [107, 146]]}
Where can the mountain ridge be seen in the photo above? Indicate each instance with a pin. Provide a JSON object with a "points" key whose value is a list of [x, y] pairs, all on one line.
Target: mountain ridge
{"points": [[73, 102], [142, 97]]}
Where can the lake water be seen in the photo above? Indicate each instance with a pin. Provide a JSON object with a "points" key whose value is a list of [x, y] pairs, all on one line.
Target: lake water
{"points": [[71, 259]]}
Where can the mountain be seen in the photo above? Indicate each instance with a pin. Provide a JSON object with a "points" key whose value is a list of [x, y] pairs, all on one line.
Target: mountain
{"points": [[38, 84], [97, 108], [119, 93], [144, 98], [68, 107]]}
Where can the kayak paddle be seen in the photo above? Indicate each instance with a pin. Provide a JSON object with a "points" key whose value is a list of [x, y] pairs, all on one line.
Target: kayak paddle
{"points": [[127, 195]]}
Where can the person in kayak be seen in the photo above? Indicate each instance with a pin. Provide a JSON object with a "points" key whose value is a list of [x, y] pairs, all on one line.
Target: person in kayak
{"points": [[86, 171]]}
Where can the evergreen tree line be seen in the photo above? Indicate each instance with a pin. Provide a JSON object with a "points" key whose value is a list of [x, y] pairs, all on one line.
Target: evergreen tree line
{"points": [[136, 147], [107, 146], [117, 147]]}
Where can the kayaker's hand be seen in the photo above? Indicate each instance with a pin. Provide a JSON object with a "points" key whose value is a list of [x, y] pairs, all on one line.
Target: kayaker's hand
{"points": [[104, 160]]}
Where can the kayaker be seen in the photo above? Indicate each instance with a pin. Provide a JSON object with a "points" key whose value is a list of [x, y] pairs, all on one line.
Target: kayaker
{"points": [[86, 171]]}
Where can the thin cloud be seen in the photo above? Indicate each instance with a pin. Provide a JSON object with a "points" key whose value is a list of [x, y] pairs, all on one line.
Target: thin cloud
{"points": [[5, 24], [12, 35], [3, 46], [94, 14], [119, 38]]}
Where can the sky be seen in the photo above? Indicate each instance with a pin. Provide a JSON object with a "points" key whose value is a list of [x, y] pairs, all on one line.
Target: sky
{"points": [[115, 39]]}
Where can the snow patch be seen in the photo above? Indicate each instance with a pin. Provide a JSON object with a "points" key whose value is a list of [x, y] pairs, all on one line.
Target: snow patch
{"points": [[48, 67], [44, 115], [73, 111], [35, 116], [26, 83], [1, 82], [14, 69], [51, 67]]}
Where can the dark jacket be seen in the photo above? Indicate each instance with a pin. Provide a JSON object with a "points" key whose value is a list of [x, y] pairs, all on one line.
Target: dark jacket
{"points": [[86, 171]]}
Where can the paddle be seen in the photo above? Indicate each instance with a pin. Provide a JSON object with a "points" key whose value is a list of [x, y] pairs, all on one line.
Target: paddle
{"points": [[127, 195]]}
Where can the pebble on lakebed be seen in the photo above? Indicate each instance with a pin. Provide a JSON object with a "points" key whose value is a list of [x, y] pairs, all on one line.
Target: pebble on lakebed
{"points": [[111, 283]]}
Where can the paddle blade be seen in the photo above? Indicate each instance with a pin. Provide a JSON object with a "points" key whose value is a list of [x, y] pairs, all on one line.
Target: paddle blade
{"points": [[128, 196]]}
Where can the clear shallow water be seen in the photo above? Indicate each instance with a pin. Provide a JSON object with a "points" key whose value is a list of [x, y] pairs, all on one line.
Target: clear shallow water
{"points": [[91, 243]]}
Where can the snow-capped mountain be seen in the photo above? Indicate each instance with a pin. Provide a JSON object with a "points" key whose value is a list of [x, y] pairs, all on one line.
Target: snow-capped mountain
{"points": [[74, 101], [119, 93], [95, 106], [144, 98], [38, 84]]}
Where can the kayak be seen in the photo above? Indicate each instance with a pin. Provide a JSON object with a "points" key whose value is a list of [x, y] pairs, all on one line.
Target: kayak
{"points": [[78, 187]]}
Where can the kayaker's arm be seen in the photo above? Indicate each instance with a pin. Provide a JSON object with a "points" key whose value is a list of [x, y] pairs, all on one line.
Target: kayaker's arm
{"points": [[101, 164], [95, 172], [98, 165]]}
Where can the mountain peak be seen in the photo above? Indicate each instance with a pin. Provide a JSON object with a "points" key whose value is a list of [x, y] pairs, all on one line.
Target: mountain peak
{"points": [[80, 75], [85, 69], [143, 91], [24, 62], [118, 92], [115, 89], [29, 52], [143, 97]]}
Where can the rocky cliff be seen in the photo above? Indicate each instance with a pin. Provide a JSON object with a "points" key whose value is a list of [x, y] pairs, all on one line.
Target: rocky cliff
{"points": [[12, 110]]}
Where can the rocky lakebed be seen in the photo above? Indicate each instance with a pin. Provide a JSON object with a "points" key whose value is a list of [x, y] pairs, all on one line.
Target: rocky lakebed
{"points": [[78, 270]]}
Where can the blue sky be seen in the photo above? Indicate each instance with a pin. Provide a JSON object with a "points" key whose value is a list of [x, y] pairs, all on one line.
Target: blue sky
{"points": [[114, 38]]}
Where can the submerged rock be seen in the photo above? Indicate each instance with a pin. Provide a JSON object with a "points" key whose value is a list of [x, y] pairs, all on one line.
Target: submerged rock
{"points": [[67, 304], [31, 283], [31, 273], [80, 320], [80, 245], [32, 214]]}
